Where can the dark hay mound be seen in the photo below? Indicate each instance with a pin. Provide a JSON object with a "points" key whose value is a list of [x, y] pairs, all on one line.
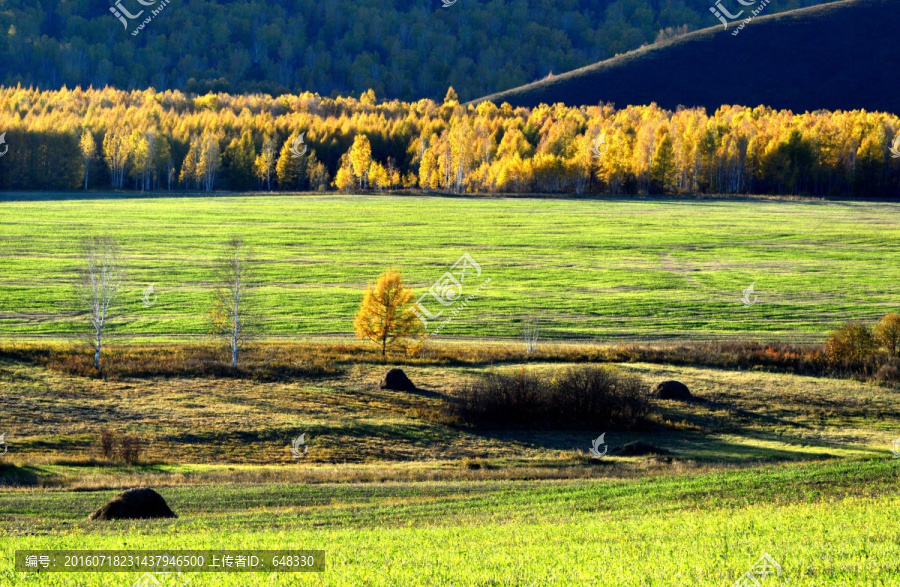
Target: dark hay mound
{"points": [[672, 390], [134, 504], [640, 448], [397, 380]]}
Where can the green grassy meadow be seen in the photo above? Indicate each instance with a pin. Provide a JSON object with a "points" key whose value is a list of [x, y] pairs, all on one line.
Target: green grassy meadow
{"points": [[591, 269], [680, 530]]}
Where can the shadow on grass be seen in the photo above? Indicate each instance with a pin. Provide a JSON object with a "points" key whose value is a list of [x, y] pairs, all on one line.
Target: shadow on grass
{"points": [[429, 394], [24, 476], [753, 428]]}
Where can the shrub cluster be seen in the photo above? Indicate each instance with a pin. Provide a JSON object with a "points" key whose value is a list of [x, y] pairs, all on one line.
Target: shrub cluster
{"points": [[262, 362], [573, 398], [857, 349], [129, 447]]}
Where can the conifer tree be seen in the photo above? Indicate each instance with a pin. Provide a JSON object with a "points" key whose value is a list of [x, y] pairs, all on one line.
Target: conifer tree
{"points": [[384, 316], [291, 168]]}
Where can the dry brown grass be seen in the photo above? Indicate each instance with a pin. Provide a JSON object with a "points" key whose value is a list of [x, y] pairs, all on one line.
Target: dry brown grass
{"points": [[93, 475], [285, 361], [262, 362], [199, 430], [274, 360]]}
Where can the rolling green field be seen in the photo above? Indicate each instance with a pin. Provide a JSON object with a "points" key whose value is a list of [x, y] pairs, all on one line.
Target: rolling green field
{"points": [[592, 269], [826, 524]]}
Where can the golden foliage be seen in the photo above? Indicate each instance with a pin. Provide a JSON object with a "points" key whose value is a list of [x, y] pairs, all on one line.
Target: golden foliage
{"points": [[443, 146], [888, 333], [850, 346], [384, 317]]}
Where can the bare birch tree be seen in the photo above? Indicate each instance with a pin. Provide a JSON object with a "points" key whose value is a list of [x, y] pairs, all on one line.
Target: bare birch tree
{"points": [[101, 278], [210, 159], [531, 331], [266, 161], [88, 153], [231, 316]]}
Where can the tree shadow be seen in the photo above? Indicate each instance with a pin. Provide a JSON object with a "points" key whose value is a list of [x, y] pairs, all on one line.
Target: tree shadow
{"points": [[24, 476]]}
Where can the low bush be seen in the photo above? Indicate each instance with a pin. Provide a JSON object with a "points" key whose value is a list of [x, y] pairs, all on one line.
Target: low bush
{"points": [[279, 361], [587, 397], [850, 347], [131, 449], [888, 374], [108, 444], [503, 400], [128, 448]]}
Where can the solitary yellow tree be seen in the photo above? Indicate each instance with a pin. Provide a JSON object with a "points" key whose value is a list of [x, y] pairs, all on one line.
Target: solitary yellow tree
{"points": [[383, 317]]}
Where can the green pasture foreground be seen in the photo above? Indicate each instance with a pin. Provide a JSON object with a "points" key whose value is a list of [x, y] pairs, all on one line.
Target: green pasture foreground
{"points": [[598, 269], [825, 524]]}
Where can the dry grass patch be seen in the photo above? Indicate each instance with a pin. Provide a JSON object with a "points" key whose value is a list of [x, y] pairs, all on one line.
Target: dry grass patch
{"points": [[358, 432]]}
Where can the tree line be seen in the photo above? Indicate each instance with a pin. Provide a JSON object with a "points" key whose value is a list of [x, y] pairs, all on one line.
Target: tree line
{"points": [[163, 141]]}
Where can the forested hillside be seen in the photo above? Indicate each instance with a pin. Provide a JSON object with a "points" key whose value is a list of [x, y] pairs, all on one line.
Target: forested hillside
{"points": [[830, 57], [146, 140], [401, 49]]}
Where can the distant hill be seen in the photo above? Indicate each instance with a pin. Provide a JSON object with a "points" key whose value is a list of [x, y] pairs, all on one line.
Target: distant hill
{"points": [[842, 55], [406, 49]]}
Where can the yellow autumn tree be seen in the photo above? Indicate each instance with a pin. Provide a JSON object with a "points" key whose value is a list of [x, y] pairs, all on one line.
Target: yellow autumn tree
{"points": [[344, 180], [384, 317], [888, 333], [378, 176], [361, 159]]}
